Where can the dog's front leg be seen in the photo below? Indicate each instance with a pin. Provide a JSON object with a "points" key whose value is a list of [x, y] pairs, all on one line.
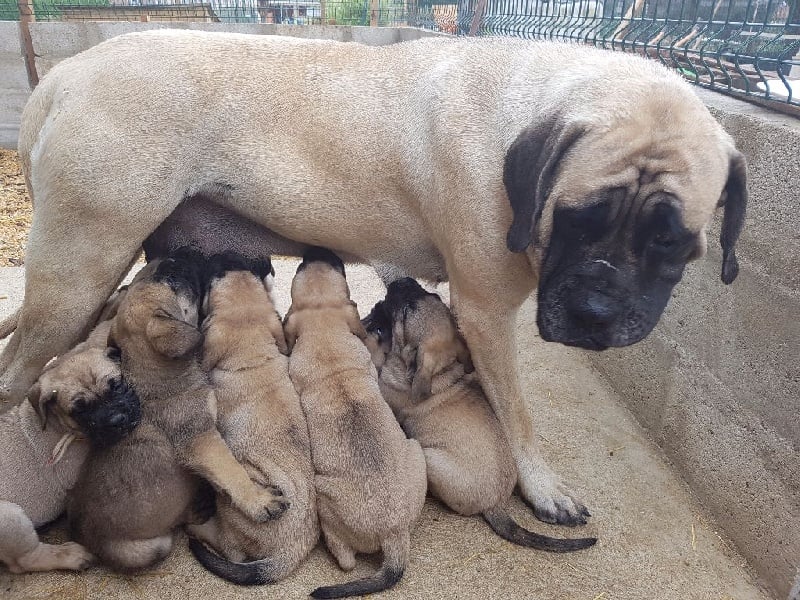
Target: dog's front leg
{"points": [[490, 336], [207, 455]]}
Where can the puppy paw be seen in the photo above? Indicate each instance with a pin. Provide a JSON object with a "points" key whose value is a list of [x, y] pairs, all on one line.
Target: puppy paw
{"points": [[551, 501], [268, 504], [74, 557]]}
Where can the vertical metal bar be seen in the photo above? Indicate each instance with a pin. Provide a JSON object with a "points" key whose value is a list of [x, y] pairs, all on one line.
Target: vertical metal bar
{"points": [[26, 17], [477, 18]]}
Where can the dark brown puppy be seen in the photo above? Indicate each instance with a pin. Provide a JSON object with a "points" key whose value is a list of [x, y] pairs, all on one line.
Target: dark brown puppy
{"points": [[425, 378], [260, 419], [131, 497], [370, 479]]}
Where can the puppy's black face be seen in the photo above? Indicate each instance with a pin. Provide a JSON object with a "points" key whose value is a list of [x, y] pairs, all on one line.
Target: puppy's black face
{"points": [[184, 272], [318, 254], [220, 264], [609, 270], [379, 323], [107, 419]]}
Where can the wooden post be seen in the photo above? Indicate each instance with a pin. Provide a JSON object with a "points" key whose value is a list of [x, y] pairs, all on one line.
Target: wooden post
{"points": [[374, 6], [477, 18], [26, 17], [322, 20]]}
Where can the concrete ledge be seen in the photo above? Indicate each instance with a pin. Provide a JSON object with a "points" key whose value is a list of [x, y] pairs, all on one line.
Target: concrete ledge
{"points": [[717, 384]]}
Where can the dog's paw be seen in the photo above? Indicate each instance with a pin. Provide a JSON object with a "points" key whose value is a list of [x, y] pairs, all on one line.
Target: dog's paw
{"points": [[551, 501], [269, 504], [75, 557]]}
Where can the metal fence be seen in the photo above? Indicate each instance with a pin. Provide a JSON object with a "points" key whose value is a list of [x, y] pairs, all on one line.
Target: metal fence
{"points": [[743, 47]]}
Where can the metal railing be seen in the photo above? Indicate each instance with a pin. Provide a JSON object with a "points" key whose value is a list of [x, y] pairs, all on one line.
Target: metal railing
{"points": [[743, 47]]}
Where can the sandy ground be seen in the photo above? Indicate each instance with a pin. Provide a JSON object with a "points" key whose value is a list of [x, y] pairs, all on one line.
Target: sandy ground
{"points": [[655, 540], [15, 210]]}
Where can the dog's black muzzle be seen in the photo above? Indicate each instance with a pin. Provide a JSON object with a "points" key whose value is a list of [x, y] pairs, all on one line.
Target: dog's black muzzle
{"points": [[111, 417]]}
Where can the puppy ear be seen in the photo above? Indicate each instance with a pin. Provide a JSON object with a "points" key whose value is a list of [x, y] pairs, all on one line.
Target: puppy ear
{"points": [[41, 402], [354, 322], [172, 337], [734, 201], [463, 356], [531, 164], [422, 366], [276, 329], [290, 330]]}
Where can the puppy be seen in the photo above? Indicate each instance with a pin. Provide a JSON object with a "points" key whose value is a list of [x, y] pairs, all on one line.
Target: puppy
{"points": [[130, 497], [260, 419], [425, 378], [79, 402], [370, 479]]}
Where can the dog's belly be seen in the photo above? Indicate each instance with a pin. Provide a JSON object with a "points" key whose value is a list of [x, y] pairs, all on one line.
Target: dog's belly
{"points": [[212, 227]]}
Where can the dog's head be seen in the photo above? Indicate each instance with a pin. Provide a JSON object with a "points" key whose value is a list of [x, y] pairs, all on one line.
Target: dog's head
{"points": [[378, 325], [239, 292], [159, 315], [320, 280], [85, 391], [610, 209], [320, 285], [420, 336]]}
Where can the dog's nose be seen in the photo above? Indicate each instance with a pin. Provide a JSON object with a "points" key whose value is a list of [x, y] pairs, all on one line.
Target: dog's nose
{"points": [[595, 308], [118, 420]]}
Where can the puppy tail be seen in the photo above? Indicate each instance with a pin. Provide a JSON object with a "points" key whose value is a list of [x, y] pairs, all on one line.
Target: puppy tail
{"points": [[508, 529], [395, 556], [257, 572], [9, 324]]}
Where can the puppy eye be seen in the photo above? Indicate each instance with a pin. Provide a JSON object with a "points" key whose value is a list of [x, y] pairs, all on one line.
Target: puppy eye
{"points": [[664, 241], [80, 404]]}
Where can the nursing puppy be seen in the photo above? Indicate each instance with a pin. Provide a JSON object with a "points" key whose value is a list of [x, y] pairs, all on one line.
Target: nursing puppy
{"points": [[425, 377], [131, 496], [260, 419], [79, 403], [370, 479]]}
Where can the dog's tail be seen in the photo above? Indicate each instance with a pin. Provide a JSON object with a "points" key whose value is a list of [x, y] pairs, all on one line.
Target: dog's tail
{"points": [[395, 556], [257, 572], [9, 324], [508, 529]]}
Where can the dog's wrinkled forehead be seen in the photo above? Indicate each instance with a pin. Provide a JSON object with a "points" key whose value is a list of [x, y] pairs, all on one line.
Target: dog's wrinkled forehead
{"points": [[183, 272]]}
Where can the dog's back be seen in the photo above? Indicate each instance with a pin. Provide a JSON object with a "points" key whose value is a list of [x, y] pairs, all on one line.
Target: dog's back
{"points": [[261, 421]]}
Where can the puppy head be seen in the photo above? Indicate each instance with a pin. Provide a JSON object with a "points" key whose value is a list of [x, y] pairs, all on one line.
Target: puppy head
{"points": [[84, 390], [378, 325], [160, 312], [320, 280], [423, 336], [220, 265], [610, 207]]}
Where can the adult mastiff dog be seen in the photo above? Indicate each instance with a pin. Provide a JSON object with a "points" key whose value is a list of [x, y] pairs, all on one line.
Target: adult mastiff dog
{"points": [[501, 165]]}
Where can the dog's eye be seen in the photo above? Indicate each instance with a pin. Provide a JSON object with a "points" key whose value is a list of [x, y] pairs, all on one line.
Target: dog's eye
{"points": [[80, 404], [664, 241]]}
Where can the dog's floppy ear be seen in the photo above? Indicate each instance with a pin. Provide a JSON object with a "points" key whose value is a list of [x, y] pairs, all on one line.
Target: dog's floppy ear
{"points": [[354, 322], [734, 201], [463, 356], [41, 402], [290, 330], [171, 336], [531, 164]]}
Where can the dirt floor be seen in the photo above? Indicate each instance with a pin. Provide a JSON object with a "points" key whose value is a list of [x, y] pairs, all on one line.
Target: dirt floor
{"points": [[15, 210]]}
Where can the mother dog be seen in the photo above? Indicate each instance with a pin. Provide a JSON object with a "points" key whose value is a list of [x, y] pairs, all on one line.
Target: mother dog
{"points": [[501, 165]]}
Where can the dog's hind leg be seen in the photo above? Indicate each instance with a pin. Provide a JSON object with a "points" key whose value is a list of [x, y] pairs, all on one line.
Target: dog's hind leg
{"points": [[22, 551], [129, 555], [73, 264]]}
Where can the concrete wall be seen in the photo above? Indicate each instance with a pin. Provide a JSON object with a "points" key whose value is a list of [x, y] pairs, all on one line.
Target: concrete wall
{"points": [[53, 42], [718, 382]]}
